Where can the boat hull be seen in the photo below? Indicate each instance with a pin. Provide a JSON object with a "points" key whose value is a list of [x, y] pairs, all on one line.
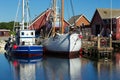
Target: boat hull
{"points": [[59, 54], [26, 52], [64, 46]]}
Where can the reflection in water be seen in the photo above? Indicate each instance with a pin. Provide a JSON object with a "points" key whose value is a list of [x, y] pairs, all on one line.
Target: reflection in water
{"points": [[117, 68], [117, 60], [104, 70], [75, 69], [47, 69], [88, 70], [63, 69], [25, 71], [56, 69]]}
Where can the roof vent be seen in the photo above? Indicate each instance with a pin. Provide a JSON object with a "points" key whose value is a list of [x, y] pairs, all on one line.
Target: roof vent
{"points": [[105, 12]]}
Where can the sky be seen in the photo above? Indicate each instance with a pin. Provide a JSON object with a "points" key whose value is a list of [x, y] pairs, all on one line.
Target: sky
{"points": [[8, 8]]}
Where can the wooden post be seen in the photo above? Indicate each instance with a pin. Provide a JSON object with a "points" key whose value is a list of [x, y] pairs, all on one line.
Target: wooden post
{"points": [[98, 47], [98, 41], [62, 16], [110, 41]]}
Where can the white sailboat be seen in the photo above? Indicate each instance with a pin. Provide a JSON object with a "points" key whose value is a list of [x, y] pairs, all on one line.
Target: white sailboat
{"points": [[65, 45]]}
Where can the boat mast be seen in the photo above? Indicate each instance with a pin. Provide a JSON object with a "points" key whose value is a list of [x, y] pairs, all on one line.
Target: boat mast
{"points": [[111, 16], [62, 16], [27, 10], [23, 14], [54, 16]]}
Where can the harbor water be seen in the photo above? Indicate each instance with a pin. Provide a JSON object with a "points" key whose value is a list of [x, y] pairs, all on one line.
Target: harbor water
{"points": [[59, 69]]}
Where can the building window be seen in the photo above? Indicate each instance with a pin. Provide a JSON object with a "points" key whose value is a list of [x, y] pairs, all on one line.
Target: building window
{"points": [[97, 29], [22, 33], [31, 33], [82, 24], [106, 21], [114, 21]]}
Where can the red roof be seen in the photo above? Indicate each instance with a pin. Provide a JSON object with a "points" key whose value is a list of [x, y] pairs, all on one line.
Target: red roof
{"points": [[41, 20], [38, 22]]}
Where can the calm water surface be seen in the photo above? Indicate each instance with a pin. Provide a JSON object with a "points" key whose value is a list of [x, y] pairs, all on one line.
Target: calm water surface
{"points": [[59, 69]]}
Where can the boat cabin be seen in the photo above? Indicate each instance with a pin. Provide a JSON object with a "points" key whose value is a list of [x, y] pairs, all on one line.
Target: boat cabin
{"points": [[27, 37]]}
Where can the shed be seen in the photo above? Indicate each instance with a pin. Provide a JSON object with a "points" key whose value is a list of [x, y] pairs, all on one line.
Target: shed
{"points": [[106, 21], [4, 32]]}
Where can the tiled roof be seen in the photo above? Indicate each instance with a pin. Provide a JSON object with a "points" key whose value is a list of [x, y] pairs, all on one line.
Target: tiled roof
{"points": [[106, 13], [73, 19]]}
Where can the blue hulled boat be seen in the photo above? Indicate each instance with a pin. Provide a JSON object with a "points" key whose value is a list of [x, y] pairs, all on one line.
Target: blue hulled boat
{"points": [[24, 44]]}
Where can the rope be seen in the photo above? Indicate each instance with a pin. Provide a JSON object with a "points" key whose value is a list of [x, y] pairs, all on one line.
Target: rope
{"points": [[68, 10], [50, 5], [72, 11], [16, 17], [50, 32], [74, 43]]}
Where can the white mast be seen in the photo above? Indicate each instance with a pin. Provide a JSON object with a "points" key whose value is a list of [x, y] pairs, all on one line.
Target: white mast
{"points": [[27, 14], [111, 16], [23, 14], [54, 16]]}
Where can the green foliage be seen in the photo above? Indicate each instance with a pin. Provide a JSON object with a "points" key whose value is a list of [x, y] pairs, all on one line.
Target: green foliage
{"points": [[12, 32], [7, 25]]}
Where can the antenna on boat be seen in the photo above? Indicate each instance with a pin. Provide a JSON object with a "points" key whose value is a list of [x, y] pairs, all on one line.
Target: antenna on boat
{"points": [[25, 8], [23, 15], [27, 14]]}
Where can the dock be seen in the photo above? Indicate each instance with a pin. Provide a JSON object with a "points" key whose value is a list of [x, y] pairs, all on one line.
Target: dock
{"points": [[98, 49]]}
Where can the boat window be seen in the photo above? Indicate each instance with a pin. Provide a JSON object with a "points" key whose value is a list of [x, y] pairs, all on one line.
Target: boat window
{"points": [[22, 33], [31, 33]]}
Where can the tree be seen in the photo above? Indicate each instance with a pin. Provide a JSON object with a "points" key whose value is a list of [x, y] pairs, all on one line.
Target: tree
{"points": [[7, 25]]}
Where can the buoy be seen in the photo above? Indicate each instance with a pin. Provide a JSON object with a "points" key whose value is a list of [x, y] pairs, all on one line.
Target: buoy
{"points": [[15, 63], [15, 46]]}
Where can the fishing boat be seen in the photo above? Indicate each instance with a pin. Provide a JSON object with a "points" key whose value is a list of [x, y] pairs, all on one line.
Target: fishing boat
{"points": [[60, 44], [23, 45]]}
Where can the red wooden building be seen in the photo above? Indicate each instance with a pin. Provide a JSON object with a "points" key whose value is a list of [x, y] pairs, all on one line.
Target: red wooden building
{"points": [[105, 21], [43, 20], [82, 22]]}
